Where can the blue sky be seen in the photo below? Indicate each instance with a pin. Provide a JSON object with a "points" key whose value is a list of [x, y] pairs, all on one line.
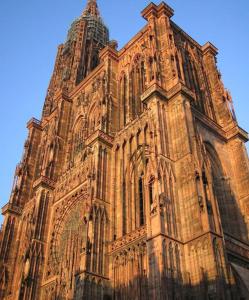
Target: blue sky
{"points": [[32, 30]]}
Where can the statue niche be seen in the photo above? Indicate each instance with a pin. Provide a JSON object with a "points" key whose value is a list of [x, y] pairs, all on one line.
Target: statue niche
{"points": [[94, 118]]}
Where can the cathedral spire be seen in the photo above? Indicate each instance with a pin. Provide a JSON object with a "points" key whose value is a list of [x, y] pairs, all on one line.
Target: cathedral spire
{"points": [[91, 9]]}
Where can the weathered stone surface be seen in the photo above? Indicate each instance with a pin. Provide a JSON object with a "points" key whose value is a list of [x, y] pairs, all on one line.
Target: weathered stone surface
{"points": [[135, 183]]}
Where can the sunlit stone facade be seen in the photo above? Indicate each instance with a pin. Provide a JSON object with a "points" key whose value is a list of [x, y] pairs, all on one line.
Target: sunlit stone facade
{"points": [[135, 183]]}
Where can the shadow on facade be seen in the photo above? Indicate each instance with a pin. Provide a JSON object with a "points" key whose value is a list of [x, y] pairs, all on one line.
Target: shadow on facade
{"points": [[164, 282], [232, 219], [168, 287]]}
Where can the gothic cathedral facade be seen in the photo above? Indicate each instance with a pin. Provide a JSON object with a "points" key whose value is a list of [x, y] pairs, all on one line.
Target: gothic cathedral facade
{"points": [[135, 182]]}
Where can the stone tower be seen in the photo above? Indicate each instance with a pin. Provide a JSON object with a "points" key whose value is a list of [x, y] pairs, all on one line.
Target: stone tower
{"points": [[135, 183]]}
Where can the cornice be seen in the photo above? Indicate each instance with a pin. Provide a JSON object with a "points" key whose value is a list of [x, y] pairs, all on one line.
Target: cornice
{"points": [[237, 132], [34, 123], [44, 182], [209, 124], [62, 95], [236, 246], [233, 133], [101, 136], [209, 48], [110, 52], [153, 10], [11, 209], [156, 90], [128, 239], [165, 9], [180, 88]]}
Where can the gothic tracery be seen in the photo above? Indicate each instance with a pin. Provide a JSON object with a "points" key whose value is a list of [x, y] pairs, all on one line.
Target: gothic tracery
{"points": [[134, 184]]}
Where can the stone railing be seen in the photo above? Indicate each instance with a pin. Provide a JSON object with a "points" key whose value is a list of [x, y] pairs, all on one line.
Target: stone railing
{"points": [[44, 181], [128, 238]]}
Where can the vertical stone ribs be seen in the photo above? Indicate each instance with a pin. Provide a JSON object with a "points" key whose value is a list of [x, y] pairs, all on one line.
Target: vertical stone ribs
{"points": [[135, 183]]}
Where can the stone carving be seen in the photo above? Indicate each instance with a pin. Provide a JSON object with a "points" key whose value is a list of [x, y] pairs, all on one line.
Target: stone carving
{"points": [[127, 240], [134, 184]]}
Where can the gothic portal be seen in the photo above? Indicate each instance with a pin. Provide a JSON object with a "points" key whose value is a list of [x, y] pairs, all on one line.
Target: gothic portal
{"points": [[135, 183]]}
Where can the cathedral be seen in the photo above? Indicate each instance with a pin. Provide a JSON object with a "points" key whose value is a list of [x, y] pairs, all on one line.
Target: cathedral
{"points": [[135, 182]]}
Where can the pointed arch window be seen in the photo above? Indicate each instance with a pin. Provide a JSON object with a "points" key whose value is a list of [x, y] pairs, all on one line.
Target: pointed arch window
{"points": [[123, 101], [187, 71], [143, 74], [78, 138], [137, 85], [178, 67], [151, 190], [141, 201]]}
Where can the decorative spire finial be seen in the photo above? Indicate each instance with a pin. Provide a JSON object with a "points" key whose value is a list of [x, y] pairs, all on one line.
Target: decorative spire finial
{"points": [[91, 9]]}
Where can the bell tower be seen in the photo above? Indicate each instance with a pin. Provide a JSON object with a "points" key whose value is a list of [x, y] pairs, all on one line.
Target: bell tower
{"points": [[79, 54]]}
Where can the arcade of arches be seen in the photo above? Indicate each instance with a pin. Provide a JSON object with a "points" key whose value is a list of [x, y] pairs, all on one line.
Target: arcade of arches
{"points": [[135, 182]]}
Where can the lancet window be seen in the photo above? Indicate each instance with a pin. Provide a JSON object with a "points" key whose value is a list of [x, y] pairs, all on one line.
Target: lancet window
{"points": [[191, 74], [141, 201], [123, 101], [78, 138], [178, 67], [137, 85], [151, 190]]}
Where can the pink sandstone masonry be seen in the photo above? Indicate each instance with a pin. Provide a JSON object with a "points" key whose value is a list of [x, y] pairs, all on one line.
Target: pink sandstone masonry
{"points": [[135, 182]]}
